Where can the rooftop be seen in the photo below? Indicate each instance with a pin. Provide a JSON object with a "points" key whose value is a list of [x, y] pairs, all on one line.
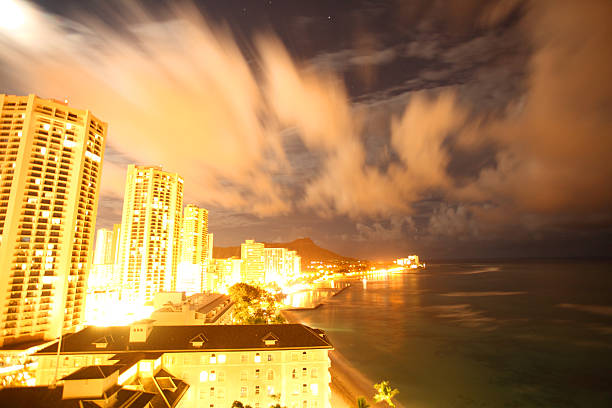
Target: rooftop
{"points": [[179, 338], [91, 372]]}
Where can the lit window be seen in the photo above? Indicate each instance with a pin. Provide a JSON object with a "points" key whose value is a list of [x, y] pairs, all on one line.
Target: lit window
{"points": [[257, 390], [212, 376], [222, 358], [213, 359], [313, 372], [304, 388], [243, 392], [203, 376], [43, 150], [257, 373], [46, 126], [314, 388], [257, 358], [68, 126]]}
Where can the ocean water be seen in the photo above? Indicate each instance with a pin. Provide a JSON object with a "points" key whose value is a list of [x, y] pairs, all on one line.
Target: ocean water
{"points": [[514, 334]]}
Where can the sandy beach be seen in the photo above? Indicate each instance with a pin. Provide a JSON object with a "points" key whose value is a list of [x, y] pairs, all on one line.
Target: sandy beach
{"points": [[347, 383]]}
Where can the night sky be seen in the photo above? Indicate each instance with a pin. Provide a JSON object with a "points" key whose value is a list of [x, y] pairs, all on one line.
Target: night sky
{"points": [[452, 129]]}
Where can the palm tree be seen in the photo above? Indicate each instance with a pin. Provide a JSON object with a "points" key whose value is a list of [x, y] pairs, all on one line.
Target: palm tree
{"points": [[362, 403], [385, 393]]}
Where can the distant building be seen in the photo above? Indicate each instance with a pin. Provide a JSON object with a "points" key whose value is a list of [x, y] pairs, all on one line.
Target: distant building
{"points": [[192, 275], [50, 165], [210, 247], [198, 309], [228, 271], [150, 232], [104, 273], [281, 265], [411, 261], [220, 363], [253, 267]]}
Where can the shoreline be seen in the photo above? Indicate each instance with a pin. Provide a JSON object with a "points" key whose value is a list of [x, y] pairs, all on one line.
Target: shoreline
{"points": [[320, 302], [347, 383]]}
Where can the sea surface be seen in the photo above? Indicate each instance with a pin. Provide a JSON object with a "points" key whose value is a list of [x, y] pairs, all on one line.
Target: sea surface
{"points": [[487, 334]]}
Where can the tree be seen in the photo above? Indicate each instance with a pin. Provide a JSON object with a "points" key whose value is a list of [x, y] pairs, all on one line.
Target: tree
{"points": [[385, 393], [254, 305], [362, 403], [237, 404]]}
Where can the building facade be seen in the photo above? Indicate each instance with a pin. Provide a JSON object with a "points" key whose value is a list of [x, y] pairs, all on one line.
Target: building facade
{"points": [[104, 272], [149, 247], [50, 165], [193, 272], [253, 261], [259, 365], [228, 271]]}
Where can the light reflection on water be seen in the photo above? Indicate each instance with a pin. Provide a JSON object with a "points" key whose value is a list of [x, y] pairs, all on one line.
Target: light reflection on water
{"points": [[492, 335]]}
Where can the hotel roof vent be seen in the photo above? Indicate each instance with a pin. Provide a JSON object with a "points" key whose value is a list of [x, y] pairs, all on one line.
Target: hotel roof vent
{"points": [[270, 339], [198, 341], [103, 342]]}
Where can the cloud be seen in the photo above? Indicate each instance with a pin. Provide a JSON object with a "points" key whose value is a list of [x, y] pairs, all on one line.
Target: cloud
{"points": [[379, 233], [554, 142], [179, 92]]}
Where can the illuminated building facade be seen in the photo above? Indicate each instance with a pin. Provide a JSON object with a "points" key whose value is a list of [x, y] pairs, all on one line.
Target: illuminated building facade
{"points": [[253, 265], [104, 271], [275, 264], [228, 271], [255, 364], [192, 275], [50, 165], [209, 247], [411, 261], [149, 247], [281, 265]]}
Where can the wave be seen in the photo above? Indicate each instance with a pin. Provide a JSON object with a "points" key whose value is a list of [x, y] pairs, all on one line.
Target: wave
{"points": [[476, 294], [477, 271], [594, 309]]}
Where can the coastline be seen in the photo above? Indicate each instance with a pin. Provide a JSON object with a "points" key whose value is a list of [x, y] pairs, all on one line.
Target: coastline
{"points": [[347, 383]]}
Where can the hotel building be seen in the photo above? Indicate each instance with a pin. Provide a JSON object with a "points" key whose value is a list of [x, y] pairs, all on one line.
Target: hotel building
{"points": [[104, 270], [281, 265], [193, 272], [149, 247], [50, 165], [259, 365], [253, 265]]}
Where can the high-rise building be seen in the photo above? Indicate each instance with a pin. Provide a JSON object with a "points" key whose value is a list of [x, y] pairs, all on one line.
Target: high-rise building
{"points": [[228, 271], [294, 265], [209, 246], [192, 275], [104, 271], [252, 255], [50, 165], [281, 265], [103, 247], [275, 264], [149, 248]]}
